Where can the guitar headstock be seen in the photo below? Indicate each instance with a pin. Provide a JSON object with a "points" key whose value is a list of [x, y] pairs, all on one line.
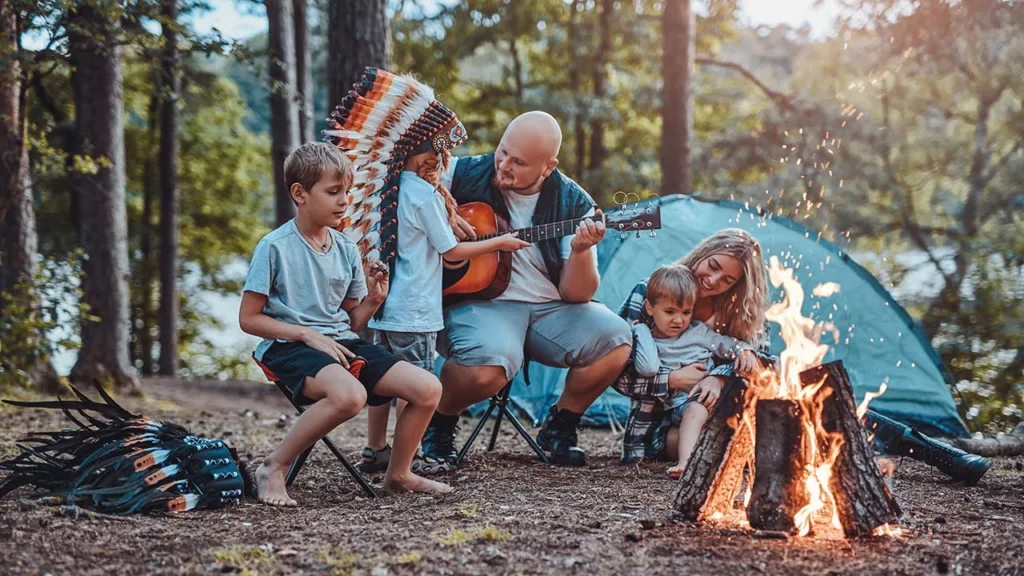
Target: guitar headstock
{"points": [[635, 218]]}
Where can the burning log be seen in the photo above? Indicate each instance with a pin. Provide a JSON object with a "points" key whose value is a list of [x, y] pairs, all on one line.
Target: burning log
{"points": [[863, 502], [715, 469], [780, 475]]}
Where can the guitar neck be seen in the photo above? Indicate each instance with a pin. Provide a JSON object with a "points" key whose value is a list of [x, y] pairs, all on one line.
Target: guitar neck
{"points": [[544, 231]]}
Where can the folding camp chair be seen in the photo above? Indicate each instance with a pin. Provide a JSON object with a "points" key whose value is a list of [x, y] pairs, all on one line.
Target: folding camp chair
{"points": [[500, 401], [293, 471]]}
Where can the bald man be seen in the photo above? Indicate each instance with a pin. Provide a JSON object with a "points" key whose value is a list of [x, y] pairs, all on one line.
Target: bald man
{"points": [[546, 309]]}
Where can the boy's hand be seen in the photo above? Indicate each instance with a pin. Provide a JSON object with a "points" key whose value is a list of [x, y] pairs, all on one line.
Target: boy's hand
{"points": [[318, 341], [707, 392], [377, 281], [689, 375], [746, 363], [511, 242]]}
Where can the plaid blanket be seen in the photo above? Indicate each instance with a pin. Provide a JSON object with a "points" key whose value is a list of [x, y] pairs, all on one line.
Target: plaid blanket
{"points": [[649, 417]]}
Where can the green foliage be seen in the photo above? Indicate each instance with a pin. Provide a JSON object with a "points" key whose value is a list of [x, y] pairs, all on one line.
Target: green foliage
{"points": [[47, 305]]}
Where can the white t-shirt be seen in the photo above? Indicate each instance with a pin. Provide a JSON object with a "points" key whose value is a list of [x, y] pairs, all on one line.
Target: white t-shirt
{"points": [[530, 282], [414, 302]]}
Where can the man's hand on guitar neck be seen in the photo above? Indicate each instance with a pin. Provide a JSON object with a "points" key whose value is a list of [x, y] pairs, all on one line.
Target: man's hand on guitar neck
{"points": [[589, 233]]}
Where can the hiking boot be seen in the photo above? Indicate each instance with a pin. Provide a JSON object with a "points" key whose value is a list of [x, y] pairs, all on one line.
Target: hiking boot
{"points": [[558, 438], [439, 439], [902, 440], [375, 460]]}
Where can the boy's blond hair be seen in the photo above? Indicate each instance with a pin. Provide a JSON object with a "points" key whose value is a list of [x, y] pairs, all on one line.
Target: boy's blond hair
{"points": [[675, 282], [309, 163]]}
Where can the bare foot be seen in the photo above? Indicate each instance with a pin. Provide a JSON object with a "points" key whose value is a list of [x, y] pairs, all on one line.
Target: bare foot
{"points": [[270, 488], [675, 472], [414, 483]]}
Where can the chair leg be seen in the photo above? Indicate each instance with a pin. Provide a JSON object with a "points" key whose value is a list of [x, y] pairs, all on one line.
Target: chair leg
{"points": [[502, 410], [476, 431], [526, 436], [351, 469], [296, 466], [293, 470]]}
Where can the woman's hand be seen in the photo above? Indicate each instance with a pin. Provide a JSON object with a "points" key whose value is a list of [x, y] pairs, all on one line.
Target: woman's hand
{"points": [[684, 378], [707, 391], [318, 341], [746, 364]]}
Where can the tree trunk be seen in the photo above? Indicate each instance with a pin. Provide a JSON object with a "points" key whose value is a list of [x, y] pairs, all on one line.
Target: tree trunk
{"points": [[358, 35], [169, 192], [304, 72], [779, 490], [11, 127], [599, 74], [99, 135], [284, 114], [18, 238], [144, 276], [678, 48], [863, 501], [714, 473], [579, 118]]}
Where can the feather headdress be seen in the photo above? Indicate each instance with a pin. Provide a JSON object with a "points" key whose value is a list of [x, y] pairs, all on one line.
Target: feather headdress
{"points": [[383, 120], [122, 463]]}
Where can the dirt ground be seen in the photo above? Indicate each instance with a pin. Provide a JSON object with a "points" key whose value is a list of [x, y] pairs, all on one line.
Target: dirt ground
{"points": [[508, 514]]}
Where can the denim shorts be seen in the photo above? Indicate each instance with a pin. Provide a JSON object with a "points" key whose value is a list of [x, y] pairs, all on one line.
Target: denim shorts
{"points": [[416, 348]]}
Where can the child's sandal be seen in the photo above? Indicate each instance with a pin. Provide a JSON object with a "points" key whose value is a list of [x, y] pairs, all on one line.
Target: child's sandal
{"points": [[375, 460]]}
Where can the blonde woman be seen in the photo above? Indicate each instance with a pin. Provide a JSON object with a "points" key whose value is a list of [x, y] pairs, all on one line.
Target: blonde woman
{"points": [[732, 299]]}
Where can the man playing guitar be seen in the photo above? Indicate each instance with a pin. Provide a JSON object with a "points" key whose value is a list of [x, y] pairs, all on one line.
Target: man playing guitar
{"points": [[545, 310]]}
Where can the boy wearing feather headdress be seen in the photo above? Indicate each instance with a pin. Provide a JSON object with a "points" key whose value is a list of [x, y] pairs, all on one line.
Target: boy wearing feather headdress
{"points": [[399, 139], [306, 294]]}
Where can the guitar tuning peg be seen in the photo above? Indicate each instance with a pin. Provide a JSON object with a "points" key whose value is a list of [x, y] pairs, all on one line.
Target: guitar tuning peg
{"points": [[622, 235], [653, 233], [637, 233]]}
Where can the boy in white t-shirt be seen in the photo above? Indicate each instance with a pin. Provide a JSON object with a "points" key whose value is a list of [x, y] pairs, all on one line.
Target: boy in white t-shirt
{"points": [[408, 322]]}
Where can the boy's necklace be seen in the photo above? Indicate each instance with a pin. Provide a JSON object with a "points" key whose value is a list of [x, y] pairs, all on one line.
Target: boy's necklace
{"points": [[324, 246]]}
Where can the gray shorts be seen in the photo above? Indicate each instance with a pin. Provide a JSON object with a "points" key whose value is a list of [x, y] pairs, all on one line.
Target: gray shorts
{"points": [[555, 333], [416, 348]]}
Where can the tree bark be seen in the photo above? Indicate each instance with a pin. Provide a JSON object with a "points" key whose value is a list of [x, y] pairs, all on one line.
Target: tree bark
{"points": [[304, 71], [11, 126], [579, 117], [169, 191], [144, 276], [863, 501], [96, 83], [358, 35], [715, 470], [284, 114], [678, 48], [599, 76], [779, 490]]}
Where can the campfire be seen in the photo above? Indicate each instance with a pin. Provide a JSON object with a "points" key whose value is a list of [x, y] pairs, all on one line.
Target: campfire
{"points": [[787, 452]]}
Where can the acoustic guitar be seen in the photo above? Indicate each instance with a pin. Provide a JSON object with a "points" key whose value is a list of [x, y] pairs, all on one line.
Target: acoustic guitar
{"points": [[486, 277]]}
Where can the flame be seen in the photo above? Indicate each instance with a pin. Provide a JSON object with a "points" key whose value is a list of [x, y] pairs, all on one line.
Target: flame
{"points": [[803, 351], [887, 530], [868, 397]]}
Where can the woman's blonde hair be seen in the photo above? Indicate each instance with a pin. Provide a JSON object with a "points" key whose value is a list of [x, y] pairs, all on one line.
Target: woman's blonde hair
{"points": [[739, 311], [431, 170]]}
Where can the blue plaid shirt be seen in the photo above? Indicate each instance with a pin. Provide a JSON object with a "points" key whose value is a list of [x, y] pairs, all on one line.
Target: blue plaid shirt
{"points": [[649, 419]]}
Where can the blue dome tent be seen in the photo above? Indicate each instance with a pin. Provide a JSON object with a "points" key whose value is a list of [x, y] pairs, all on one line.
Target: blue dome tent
{"points": [[878, 342]]}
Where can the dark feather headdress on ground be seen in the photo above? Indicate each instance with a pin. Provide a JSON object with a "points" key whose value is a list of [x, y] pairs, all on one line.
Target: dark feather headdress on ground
{"points": [[117, 462], [385, 119]]}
